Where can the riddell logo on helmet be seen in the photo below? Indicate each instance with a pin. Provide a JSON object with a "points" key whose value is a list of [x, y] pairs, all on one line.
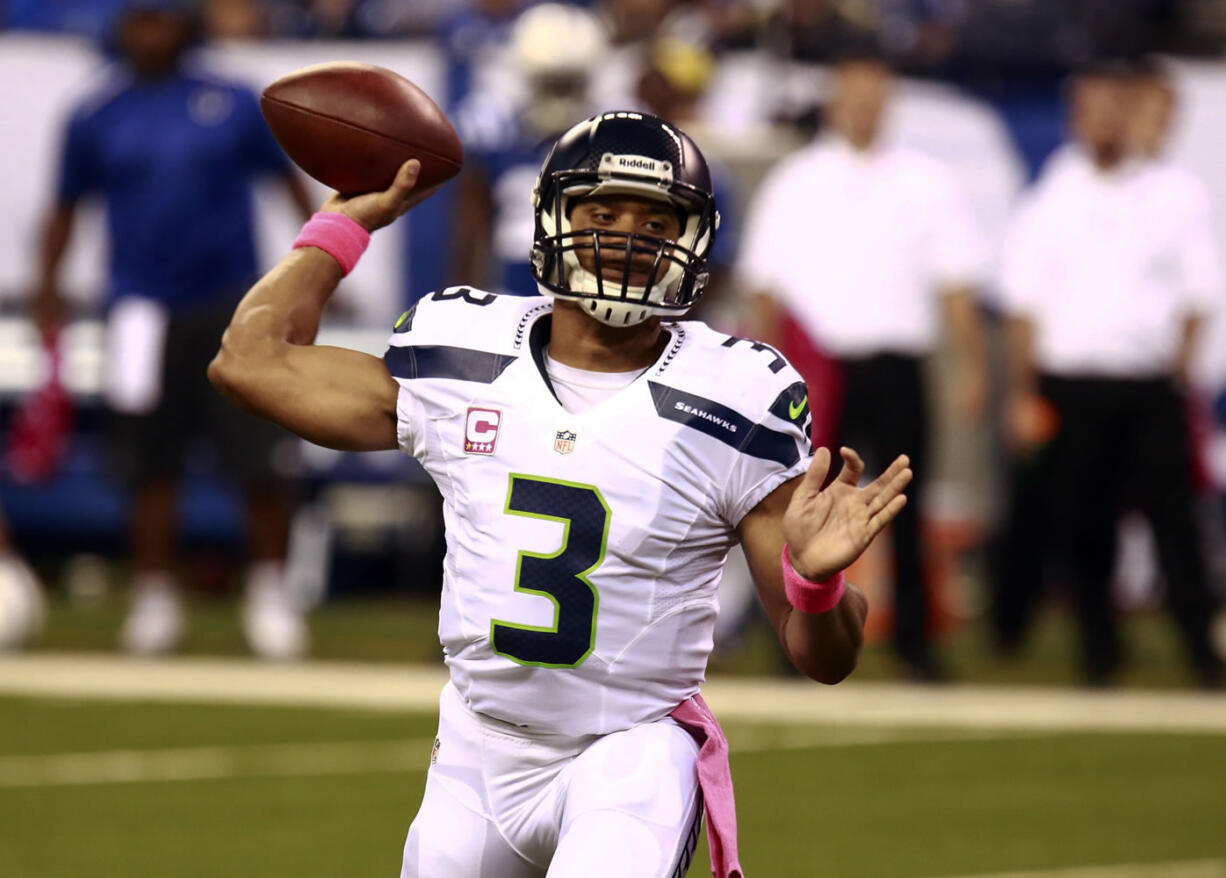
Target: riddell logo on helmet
{"points": [[630, 165]]}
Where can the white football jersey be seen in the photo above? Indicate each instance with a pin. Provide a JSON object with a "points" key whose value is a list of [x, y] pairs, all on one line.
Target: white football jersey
{"points": [[584, 550]]}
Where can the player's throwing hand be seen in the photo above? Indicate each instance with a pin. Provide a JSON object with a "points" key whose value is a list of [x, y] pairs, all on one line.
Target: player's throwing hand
{"points": [[828, 529], [374, 210]]}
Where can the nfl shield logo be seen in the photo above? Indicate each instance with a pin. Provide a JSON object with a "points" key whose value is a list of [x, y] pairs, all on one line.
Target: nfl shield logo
{"points": [[564, 441]]}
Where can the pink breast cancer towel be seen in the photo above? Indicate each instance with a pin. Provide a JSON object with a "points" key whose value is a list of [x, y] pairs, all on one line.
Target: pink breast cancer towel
{"points": [[715, 779]]}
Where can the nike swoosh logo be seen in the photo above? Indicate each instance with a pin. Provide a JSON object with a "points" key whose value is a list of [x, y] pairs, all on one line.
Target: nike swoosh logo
{"points": [[795, 408]]}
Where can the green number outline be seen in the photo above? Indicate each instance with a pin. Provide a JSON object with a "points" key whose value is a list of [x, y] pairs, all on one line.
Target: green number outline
{"points": [[581, 576]]}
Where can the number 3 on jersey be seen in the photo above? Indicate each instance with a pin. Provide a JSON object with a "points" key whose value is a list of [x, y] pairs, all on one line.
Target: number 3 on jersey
{"points": [[561, 577]]}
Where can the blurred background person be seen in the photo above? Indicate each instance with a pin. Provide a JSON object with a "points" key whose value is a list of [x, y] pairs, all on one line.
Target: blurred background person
{"points": [[506, 132], [172, 152], [1024, 564], [869, 247], [1108, 275]]}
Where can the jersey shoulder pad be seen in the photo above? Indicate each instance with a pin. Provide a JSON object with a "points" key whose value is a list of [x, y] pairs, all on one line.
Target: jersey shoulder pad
{"points": [[463, 333], [741, 372], [717, 381]]}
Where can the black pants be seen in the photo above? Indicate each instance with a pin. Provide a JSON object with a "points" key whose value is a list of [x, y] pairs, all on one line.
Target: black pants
{"points": [[1122, 440], [884, 415], [1020, 551], [1020, 555], [154, 445]]}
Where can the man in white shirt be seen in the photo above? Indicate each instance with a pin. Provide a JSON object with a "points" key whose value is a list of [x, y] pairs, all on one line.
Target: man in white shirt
{"points": [[870, 247], [1108, 272]]}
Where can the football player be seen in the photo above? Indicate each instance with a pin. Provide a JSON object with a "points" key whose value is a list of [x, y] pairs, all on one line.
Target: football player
{"points": [[597, 458]]}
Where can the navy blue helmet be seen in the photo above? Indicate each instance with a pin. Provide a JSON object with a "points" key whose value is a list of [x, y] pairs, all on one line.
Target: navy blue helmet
{"points": [[624, 153]]}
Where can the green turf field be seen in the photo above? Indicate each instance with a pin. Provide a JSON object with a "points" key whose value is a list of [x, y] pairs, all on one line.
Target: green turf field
{"points": [[122, 788], [104, 789]]}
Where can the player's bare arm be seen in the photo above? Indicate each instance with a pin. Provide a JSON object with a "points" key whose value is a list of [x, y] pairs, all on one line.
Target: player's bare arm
{"points": [[46, 300], [965, 328], [1026, 414], [825, 531], [269, 364], [1189, 338]]}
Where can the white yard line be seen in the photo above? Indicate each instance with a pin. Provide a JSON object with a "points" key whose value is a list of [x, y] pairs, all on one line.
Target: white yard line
{"points": [[800, 702], [1173, 869], [213, 763]]}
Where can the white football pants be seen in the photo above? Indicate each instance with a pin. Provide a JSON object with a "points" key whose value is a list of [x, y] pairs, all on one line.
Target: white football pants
{"points": [[503, 803]]}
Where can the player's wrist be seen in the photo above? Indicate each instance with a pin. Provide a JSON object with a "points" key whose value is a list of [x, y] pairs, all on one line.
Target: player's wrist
{"points": [[811, 595], [337, 234]]}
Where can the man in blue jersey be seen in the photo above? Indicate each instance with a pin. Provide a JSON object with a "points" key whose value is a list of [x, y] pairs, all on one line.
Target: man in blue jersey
{"points": [[172, 153]]}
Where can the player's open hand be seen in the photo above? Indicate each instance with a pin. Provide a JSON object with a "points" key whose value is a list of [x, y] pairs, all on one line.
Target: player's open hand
{"points": [[374, 210], [828, 529]]}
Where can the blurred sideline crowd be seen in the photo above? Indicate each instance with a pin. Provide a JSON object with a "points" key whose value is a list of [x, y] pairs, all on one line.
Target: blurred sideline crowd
{"points": [[1047, 371], [989, 36]]}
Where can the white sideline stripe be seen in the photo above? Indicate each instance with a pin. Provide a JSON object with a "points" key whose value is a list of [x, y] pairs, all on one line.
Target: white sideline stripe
{"points": [[1173, 869], [407, 687], [212, 763], [341, 757]]}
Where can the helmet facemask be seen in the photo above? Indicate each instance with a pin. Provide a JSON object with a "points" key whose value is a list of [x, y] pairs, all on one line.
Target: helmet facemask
{"points": [[673, 273]]}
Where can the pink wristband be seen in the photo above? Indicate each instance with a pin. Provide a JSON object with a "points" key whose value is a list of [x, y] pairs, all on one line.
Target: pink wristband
{"points": [[808, 596], [340, 236]]}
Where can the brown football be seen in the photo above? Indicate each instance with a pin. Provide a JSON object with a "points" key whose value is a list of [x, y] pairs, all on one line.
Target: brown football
{"points": [[351, 126]]}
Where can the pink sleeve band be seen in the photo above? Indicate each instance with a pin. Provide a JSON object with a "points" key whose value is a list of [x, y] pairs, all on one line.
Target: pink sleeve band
{"points": [[808, 596], [338, 235]]}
